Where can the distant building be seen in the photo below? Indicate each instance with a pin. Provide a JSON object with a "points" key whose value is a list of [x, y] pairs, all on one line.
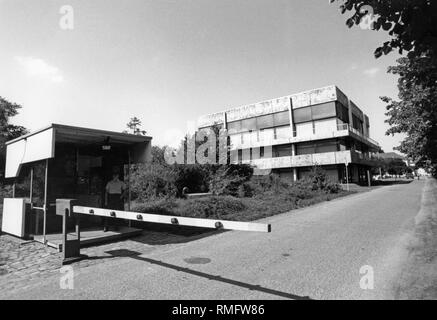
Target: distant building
{"points": [[289, 135]]}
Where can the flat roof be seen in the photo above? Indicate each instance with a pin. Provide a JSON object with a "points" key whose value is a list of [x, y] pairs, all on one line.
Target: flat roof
{"points": [[80, 135]]}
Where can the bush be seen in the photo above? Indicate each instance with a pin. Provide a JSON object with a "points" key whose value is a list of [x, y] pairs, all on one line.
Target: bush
{"points": [[158, 206], [150, 181], [321, 181], [302, 189], [211, 207], [5, 192], [306, 188], [268, 183], [208, 207], [229, 180], [194, 176]]}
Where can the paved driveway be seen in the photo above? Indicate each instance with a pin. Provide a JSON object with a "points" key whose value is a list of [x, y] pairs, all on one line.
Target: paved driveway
{"points": [[314, 252]]}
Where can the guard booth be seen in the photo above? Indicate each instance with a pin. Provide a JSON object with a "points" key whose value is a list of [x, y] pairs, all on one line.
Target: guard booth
{"points": [[59, 162]]}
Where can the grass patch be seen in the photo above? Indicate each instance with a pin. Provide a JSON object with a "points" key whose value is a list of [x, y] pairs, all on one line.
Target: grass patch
{"points": [[419, 275]]}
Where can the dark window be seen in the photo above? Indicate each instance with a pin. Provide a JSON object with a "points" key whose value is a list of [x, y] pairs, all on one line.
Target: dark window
{"points": [[319, 147], [305, 148], [324, 110], [234, 127], [302, 115], [316, 112], [342, 112], [357, 123], [248, 124], [327, 147], [265, 121], [283, 150], [281, 118]]}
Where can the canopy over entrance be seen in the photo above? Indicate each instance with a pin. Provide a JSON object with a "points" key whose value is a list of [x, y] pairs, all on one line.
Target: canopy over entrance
{"points": [[40, 145]]}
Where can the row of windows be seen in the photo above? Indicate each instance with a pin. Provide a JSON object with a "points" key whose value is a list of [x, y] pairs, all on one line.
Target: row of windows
{"points": [[300, 115], [333, 145], [321, 111], [301, 149], [318, 147], [252, 153], [268, 134], [261, 122]]}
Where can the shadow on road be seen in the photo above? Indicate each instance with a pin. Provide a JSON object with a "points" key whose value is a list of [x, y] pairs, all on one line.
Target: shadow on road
{"points": [[390, 182], [136, 255], [162, 234]]}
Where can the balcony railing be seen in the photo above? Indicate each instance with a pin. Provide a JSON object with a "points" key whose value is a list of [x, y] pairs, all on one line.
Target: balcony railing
{"points": [[351, 129], [365, 156], [326, 158]]}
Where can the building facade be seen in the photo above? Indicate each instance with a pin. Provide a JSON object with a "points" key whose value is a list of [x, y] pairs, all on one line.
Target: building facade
{"points": [[291, 134]]}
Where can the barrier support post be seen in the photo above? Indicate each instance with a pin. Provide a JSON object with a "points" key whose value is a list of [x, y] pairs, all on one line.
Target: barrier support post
{"points": [[70, 247]]}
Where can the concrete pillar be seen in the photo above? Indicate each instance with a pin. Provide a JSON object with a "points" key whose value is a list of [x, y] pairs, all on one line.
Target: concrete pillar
{"points": [[366, 134], [349, 107], [290, 115], [225, 121], [369, 179]]}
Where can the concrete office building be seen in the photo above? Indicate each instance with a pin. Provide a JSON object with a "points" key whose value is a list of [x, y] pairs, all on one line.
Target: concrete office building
{"points": [[291, 134]]}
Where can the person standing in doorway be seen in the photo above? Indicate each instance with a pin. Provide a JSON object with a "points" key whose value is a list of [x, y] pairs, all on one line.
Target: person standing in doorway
{"points": [[115, 191]]}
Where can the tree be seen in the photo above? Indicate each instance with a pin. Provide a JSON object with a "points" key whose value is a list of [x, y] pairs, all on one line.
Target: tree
{"points": [[8, 110], [219, 145], [415, 114], [158, 155], [412, 24], [8, 131], [395, 167], [135, 126]]}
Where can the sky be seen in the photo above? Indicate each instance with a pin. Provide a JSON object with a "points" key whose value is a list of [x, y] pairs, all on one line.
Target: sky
{"points": [[168, 62]]}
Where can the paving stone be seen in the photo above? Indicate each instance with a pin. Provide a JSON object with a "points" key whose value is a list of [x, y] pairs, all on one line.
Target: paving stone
{"points": [[21, 262]]}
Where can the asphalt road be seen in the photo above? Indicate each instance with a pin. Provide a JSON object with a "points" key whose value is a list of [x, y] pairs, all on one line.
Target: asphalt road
{"points": [[315, 252]]}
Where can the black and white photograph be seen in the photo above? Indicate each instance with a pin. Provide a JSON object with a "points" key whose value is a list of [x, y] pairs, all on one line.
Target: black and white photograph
{"points": [[218, 155]]}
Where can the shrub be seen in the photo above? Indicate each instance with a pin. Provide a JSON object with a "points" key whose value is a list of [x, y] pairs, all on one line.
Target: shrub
{"points": [[332, 187], [302, 189], [165, 206], [194, 176], [5, 192], [228, 180], [271, 182], [318, 178], [320, 181], [208, 207], [211, 207], [153, 180]]}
